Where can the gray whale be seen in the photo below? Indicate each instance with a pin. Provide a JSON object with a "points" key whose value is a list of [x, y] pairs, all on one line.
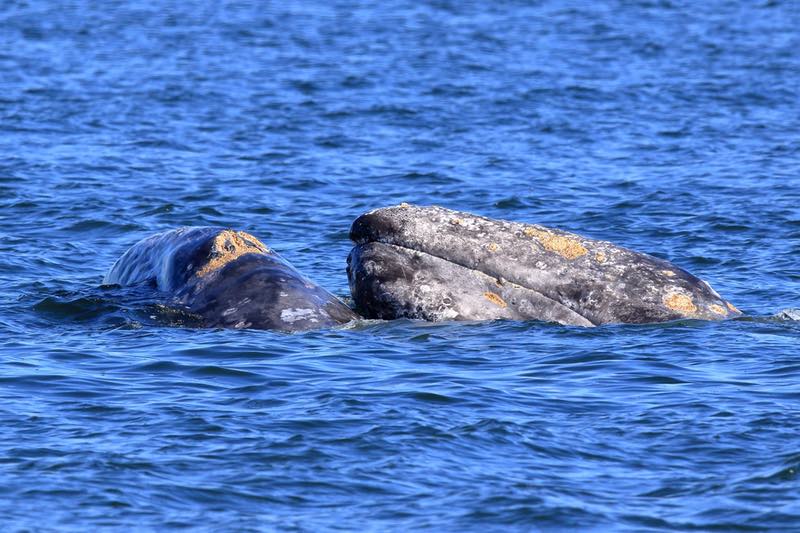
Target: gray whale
{"points": [[229, 279], [434, 263], [419, 262]]}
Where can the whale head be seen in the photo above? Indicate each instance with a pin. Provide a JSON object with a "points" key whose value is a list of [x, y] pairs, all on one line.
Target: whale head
{"points": [[433, 263]]}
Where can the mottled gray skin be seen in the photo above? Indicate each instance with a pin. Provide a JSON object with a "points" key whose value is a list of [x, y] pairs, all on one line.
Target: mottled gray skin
{"points": [[433, 263], [229, 279]]}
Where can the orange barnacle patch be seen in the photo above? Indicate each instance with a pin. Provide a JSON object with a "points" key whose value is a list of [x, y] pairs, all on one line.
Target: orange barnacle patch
{"points": [[495, 299], [228, 246], [668, 273], [249, 240], [718, 309], [732, 307], [492, 247], [681, 303], [567, 247], [455, 221]]}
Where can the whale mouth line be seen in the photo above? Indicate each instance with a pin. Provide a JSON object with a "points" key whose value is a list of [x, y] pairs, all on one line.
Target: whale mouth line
{"points": [[389, 242]]}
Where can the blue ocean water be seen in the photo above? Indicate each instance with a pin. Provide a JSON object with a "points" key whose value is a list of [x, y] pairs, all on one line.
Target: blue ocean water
{"points": [[667, 126]]}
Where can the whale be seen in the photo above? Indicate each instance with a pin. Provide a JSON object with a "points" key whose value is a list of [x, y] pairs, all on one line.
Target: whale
{"points": [[228, 279], [434, 263], [419, 262]]}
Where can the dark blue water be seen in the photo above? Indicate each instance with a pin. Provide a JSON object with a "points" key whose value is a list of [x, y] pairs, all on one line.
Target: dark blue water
{"points": [[671, 127]]}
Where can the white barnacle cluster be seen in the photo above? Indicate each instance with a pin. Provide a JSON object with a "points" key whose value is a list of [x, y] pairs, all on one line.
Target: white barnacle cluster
{"points": [[292, 315]]}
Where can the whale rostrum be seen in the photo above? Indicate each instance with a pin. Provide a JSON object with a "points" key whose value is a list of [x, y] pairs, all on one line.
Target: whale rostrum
{"points": [[434, 263]]}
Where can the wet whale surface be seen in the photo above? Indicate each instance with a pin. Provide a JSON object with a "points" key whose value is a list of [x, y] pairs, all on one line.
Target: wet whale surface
{"points": [[228, 279], [434, 263]]}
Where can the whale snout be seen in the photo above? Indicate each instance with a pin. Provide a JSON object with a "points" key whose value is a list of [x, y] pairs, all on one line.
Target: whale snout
{"points": [[433, 263]]}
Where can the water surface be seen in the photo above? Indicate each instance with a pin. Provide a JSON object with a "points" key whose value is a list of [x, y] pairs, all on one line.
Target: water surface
{"points": [[670, 127]]}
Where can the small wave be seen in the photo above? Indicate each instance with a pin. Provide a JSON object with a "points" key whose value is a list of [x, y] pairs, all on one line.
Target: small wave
{"points": [[75, 307], [113, 307]]}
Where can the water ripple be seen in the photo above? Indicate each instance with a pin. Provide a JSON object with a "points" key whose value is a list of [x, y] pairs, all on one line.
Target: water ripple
{"points": [[666, 127]]}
